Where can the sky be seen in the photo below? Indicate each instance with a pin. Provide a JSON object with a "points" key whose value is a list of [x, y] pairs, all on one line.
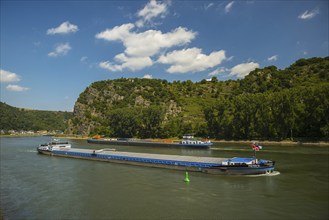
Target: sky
{"points": [[52, 50]]}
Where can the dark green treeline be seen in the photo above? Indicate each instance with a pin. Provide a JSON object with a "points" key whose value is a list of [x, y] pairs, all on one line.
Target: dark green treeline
{"points": [[12, 118], [291, 113]]}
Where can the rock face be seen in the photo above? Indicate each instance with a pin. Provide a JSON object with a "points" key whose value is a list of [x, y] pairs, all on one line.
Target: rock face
{"points": [[140, 101], [173, 110], [93, 106]]}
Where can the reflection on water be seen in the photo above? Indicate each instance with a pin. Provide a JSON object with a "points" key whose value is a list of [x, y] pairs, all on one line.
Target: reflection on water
{"points": [[35, 186]]}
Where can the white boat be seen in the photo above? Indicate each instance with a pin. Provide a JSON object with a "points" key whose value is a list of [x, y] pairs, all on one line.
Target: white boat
{"points": [[195, 143], [188, 140], [55, 144]]}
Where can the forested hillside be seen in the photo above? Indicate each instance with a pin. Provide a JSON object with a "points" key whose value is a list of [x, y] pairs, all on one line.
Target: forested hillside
{"points": [[12, 118], [267, 104], [276, 104]]}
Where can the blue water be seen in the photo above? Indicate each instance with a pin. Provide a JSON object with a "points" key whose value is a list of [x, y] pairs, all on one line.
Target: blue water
{"points": [[35, 186]]}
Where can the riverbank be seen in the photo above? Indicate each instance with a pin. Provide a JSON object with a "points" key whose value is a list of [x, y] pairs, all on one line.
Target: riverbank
{"points": [[284, 142], [50, 136]]}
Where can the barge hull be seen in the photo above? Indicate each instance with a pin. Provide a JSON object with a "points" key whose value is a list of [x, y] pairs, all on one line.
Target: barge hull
{"points": [[152, 165], [239, 171], [186, 163]]}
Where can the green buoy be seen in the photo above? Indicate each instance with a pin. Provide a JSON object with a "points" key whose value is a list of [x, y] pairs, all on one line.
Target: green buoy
{"points": [[186, 177]]}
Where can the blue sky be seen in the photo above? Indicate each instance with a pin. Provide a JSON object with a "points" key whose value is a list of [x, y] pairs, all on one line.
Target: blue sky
{"points": [[52, 50]]}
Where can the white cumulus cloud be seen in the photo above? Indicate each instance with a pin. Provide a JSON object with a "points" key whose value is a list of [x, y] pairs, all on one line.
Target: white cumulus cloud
{"points": [[141, 46], [130, 63], [64, 28], [147, 76], [191, 60], [60, 50], [243, 69], [229, 6], [208, 6], [16, 88], [309, 14], [83, 59], [6, 76], [146, 43], [107, 65], [273, 58], [150, 11], [218, 71], [117, 33]]}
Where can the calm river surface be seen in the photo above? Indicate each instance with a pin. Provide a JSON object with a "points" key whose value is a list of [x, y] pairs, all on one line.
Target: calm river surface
{"points": [[35, 186]]}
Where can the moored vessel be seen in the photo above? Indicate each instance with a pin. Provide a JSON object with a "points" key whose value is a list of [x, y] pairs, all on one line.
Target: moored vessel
{"points": [[187, 141]]}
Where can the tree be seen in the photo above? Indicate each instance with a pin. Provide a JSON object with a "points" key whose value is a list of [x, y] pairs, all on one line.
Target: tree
{"points": [[123, 123], [151, 121]]}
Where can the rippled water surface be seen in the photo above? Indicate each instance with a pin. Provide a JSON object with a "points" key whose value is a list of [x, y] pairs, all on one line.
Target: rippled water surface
{"points": [[35, 186]]}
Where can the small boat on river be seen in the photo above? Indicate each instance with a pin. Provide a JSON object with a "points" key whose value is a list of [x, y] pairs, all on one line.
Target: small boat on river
{"points": [[55, 144], [211, 165]]}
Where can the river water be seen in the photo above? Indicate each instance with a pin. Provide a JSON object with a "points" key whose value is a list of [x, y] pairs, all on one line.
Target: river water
{"points": [[35, 186]]}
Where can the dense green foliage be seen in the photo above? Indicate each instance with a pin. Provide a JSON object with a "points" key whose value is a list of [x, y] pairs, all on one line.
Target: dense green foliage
{"points": [[143, 122], [267, 104], [12, 118], [297, 112]]}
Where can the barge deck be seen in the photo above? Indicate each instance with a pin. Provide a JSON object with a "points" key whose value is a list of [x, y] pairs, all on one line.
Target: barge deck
{"points": [[212, 165], [164, 159]]}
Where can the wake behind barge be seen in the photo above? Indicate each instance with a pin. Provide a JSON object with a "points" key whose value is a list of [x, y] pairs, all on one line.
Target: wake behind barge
{"points": [[211, 165]]}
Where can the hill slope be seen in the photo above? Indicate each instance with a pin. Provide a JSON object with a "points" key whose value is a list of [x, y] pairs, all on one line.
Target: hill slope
{"points": [[269, 103], [12, 118]]}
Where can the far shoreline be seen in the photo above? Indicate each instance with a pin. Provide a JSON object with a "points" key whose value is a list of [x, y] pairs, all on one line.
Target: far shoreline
{"points": [[320, 143], [286, 142], [265, 142]]}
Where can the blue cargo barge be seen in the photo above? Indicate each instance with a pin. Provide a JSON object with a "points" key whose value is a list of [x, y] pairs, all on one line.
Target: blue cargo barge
{"points": [[212, 165]]}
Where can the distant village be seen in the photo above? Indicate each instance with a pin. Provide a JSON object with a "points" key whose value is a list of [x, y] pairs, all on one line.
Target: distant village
{"points": [[23, 132]]}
